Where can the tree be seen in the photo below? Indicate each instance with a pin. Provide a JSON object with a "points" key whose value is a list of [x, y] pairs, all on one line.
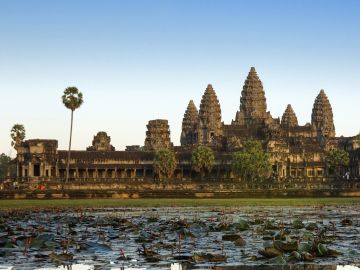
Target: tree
{"points": [[202, 159], [336, 159], [251, 162], [17, 134], [4, 165], [72, 99], [165, 163]]}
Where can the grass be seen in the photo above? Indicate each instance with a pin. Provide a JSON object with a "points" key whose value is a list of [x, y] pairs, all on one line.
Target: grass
{"points": [[77, 203]]}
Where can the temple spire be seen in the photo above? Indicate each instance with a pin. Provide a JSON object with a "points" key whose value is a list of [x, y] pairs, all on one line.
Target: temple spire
{"points": [[289, 118], [189, 124], [210, 125], [253, 101], [322, 116]]}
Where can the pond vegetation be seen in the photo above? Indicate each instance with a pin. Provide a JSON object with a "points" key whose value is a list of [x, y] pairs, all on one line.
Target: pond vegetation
{"points": [[197, 237]]}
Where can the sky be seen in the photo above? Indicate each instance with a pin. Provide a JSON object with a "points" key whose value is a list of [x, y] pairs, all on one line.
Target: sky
{"points": [[140, 60]]}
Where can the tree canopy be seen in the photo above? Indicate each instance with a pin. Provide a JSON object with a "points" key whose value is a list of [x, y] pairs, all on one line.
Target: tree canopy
{"points": [[17, 135], [4, 165], [165, 163], [337, 158], [202, 159], [251, 162], [72, 98]]}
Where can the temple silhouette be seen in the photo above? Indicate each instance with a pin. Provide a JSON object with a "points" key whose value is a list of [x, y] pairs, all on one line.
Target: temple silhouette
{"points": [[296, 151]]}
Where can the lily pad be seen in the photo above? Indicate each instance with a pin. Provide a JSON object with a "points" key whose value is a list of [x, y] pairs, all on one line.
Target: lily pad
{"points": [[270, 252], [279, 260], [298, 224], [242, 225]]}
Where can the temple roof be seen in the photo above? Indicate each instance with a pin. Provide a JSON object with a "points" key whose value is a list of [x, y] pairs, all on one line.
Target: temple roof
{"points": [[322, 115], [210, 111], [191, 116], [253, 101], [289, 117]]}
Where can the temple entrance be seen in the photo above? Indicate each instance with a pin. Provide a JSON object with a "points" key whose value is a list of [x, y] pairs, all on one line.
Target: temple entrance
{"points": [[36, 169]]}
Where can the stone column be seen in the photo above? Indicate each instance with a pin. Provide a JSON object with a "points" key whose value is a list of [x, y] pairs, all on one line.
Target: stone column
{"points": [[31, 170]]}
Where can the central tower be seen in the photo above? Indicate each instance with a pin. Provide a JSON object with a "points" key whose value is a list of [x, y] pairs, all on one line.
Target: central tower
{"points": [[210, 125], [252, 101]]}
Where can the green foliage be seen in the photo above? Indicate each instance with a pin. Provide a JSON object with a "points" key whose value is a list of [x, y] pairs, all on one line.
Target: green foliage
{"points": [[251, 162], [17, 134], [4, 165], [337, 158], [72, 98], [202, 159], [165, 163]]}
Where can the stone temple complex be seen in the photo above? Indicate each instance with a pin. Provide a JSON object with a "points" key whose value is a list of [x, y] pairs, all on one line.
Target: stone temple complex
{"points": [[296, 151]]}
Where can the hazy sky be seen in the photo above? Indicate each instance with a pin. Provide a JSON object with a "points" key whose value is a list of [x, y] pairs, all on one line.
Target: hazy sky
{"points": [[141, 60]]}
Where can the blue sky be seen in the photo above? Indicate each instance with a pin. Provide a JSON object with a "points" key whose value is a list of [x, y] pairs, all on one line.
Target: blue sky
{"points": [[141, 60]]}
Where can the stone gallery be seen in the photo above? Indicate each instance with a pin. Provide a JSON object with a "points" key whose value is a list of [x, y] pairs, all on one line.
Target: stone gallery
{"points": [[296, 152]]}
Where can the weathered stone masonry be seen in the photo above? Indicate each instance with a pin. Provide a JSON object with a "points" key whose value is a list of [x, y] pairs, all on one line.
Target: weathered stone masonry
{"points": [[297, 151]]}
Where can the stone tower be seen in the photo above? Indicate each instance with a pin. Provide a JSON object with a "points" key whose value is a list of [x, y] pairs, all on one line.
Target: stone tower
{"points": [[189, 125], [101, 142], [157, 135], [289, 118], [252, 101], [209, 125], [322, 116]]}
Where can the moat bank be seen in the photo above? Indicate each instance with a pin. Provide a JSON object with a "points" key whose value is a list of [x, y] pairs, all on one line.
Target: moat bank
{"points": [[180, 189]]}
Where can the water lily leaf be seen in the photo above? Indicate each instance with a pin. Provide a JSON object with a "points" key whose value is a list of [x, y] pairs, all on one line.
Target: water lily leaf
{"points": [[308, 236], [305, 247], [311, 226], [270, 252], [306, 256], [286, 246], [295, 256], [322, 250], [278, 260], [242, 225], [298, 224], [270, 225]]}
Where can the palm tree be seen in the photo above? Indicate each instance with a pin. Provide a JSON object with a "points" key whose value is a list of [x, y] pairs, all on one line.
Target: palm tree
{"points": [[17, 134], [165, 163], [202, 159], [72, 100]]}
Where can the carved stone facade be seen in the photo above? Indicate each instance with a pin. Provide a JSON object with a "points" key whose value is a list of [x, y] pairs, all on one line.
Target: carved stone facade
{"points": [[37, 158], [322, 116], [157, 135], [289, 118], [252, 101], [101, 142], [296, 151], [209, 126]]}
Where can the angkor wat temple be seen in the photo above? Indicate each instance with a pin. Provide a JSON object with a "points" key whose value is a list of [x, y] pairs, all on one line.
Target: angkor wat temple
{"points": [[296, 151]]}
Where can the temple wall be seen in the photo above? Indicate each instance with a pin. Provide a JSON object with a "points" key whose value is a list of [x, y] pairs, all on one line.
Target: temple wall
{"points": [[141, 188]]}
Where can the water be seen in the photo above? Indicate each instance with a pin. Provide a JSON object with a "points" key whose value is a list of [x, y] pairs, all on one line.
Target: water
{"points": [[178, 238]]}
